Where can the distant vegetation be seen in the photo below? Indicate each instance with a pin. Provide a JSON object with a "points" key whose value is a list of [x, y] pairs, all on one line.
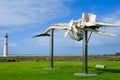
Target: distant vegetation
{"points": [[115, 57], [117, 54]]}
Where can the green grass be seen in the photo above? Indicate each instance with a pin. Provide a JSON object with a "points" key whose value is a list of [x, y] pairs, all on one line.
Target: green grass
{"points": [[65, 71]]}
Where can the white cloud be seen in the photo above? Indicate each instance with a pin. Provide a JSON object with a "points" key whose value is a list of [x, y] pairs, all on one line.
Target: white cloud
{"points": [[27, 12], [113, 17]]}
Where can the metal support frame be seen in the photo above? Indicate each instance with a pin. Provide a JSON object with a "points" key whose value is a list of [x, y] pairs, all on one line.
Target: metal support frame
{"points": [[51, 51], [85, 52], [51, 48], [85, 55]]}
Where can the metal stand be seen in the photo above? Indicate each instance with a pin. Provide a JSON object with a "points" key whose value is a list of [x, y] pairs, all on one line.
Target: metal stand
{"points": [[51, 48], [85, 52], [51, 51], [85, 55]]}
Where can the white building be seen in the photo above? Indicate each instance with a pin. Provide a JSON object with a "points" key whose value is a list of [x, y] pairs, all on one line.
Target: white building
{"points": [[5, 51]]}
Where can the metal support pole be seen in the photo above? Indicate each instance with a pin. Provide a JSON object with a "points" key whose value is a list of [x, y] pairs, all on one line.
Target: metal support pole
{"points": [[51, 47], [85, 52], [85, 55]]}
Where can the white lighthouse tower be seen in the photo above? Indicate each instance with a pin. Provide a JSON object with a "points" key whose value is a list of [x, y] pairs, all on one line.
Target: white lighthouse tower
{"points": [[5, 51]]}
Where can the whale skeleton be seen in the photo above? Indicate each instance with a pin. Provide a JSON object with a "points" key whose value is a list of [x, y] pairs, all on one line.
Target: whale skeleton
{"points": [[75, 28]]}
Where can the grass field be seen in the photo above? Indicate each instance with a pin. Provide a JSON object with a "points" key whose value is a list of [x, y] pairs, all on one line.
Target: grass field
{"points": [[65, 71]]}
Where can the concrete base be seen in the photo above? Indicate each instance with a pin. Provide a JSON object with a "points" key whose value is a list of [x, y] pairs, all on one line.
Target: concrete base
{"points": [[50, 68], [85, 74]]}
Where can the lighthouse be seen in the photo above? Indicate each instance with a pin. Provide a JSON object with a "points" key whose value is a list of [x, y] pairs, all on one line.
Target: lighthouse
{"points": [[5, 51]]}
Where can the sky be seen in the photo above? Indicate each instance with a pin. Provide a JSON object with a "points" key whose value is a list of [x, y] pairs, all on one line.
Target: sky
{"points": [[22, 19]]}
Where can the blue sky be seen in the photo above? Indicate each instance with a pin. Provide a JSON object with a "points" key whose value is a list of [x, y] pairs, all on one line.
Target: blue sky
{"points": [[23, 19]]}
